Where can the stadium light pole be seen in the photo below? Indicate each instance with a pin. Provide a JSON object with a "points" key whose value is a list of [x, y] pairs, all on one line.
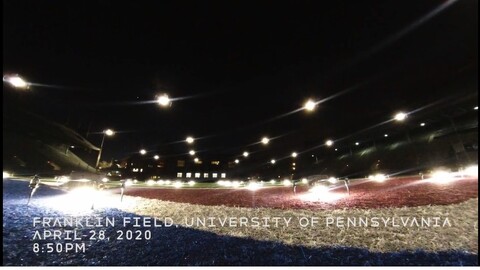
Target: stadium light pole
{"points": [[107, 132]]}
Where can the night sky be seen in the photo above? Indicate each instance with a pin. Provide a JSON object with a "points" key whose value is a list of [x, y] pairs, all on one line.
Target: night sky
{"points": [[235, 66]]}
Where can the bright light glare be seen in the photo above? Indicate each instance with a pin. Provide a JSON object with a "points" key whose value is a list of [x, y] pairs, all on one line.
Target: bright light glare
{"points": [[245, 154], [6, 175], [471, 170], [109, 132], [143, 151], [310, 105], [400, 116], [287, 182], [84, 180], [272, 181], [63, 179], [332, 180], [294, 154], [16, 81], [160, 182], [475, 108], [441, 177], [329, 142], [78, 196], [163, 100], [191, 183], [168, 182], [156, 157], [304, 180], [321, 193], [105, 180], [273, 161], [228, 183], [190, 140], [196, 160], [422, 124], [191, 152], [265, 140], [79, 201], [237, 161], [445, 177], [128, 183], [254, 186], [150, 182], [178, 184], [320, 189], [378, 177]]}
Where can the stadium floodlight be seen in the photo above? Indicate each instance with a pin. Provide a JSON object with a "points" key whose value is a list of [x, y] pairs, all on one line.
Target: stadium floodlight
{"points": [[164, 100], [401, 116], [310, 105]]}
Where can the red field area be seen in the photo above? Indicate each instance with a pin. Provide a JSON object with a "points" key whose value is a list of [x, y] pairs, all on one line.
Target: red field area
{"points": [[363, 194]]}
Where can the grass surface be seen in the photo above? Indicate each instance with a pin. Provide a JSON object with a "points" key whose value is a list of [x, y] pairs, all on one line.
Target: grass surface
{"points": [[461, 235], [283, 245]]}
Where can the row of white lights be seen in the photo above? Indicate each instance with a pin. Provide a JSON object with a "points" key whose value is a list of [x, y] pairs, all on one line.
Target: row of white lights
{"points": [[265, 140], [164, 100], [309, 105]]}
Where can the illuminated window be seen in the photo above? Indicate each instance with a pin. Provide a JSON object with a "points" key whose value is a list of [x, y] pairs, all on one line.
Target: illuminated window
{"points": [[205, 175], [180, 163], [215, 162], [214, 175], [197, 175], [179, 174], [224, 175], [189, 175]]}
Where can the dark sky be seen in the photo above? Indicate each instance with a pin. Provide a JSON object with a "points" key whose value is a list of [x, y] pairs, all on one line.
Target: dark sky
{"points": [[240, 63]]}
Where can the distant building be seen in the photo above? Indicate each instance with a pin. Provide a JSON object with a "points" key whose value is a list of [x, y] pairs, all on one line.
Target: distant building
{"points": [[202, 170], [141, 168]]}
